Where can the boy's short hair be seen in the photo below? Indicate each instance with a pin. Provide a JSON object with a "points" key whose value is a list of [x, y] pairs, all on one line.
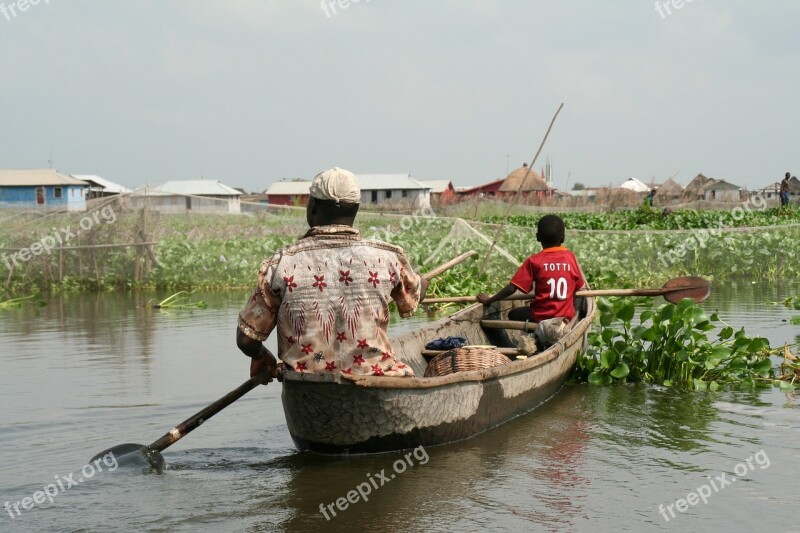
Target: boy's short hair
{"points": [[550, 230]]}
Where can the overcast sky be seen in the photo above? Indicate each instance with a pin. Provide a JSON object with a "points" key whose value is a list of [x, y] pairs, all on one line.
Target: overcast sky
{"points": [[252, 91]]}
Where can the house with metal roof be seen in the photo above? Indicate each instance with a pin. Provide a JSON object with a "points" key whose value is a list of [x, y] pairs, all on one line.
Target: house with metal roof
{"points": [[393, 189], [487, 190], [100, 187], [42, 189], [202, 196], [721, 191], [376, 189], [293, 192]]}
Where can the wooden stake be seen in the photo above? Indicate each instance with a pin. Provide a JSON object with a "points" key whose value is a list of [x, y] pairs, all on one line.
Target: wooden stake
{"points": [[519, 188]]}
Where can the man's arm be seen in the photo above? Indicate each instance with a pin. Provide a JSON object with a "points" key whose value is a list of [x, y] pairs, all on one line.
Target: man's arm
{"points": [[256, 322], [504, 293], [409, 288], [261, 358]]}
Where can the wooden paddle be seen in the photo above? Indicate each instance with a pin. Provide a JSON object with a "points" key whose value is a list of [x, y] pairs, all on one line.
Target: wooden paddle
{"points": [[673, 291], [144, 455], [450, 264], [152, 452]]}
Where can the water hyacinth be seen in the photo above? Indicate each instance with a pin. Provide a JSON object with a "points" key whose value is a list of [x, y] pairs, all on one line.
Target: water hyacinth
{"points": [[670, 345], [656, 219]]}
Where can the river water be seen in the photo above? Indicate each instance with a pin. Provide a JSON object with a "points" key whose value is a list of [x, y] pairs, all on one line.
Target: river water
{"points": [[87, 372]]}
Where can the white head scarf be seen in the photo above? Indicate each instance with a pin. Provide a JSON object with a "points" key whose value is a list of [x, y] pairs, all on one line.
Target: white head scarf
{"points": [[336, 184]]}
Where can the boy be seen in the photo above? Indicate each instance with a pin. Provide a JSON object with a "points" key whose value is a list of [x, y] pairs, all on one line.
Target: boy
{"points": [[552, 275]]}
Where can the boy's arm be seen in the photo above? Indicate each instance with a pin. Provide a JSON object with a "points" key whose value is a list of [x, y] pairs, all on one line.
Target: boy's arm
{"points": [[507, 291]]}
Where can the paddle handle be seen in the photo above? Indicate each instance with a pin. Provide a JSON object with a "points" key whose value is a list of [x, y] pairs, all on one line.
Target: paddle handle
{"points": [[450, 264], [586, 293], [609, 292], [193, 422], [509, 324]]}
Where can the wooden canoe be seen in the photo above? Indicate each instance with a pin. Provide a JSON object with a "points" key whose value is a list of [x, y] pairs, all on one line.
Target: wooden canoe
{"points": [[341, 414]]}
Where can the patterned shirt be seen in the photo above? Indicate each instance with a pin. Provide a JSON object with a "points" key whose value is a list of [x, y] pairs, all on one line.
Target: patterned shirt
{"points": [[329, 296]]}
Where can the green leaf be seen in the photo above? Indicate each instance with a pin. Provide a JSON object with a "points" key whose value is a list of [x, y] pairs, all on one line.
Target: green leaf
{"points": [[608, 358], [626, 312], [720, 353], [604, 306], [699, 384], [763, 366], [684, 304], [650, 335], [608, 334], [757, 344], [726, 333], [596, 378], [621, 371], [713, 386]]}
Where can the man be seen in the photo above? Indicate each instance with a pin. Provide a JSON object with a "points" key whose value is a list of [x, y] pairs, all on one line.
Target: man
{"points": [[329, 293], [650, 198], [785, 190]]}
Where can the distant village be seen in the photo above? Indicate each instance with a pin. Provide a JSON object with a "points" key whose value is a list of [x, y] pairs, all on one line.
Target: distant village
{"points": [[51, 189]]}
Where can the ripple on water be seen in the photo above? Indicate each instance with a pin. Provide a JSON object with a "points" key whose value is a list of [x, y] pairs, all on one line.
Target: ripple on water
{"points": [[88, 373]]}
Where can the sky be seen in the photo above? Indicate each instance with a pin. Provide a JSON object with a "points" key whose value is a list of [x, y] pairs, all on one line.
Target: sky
{"points": [[253, 91]]}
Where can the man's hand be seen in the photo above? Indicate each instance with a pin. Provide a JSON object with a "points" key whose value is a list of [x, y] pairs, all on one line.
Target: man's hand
{"points": [[268, 363], [423, 288], [484, 298]]}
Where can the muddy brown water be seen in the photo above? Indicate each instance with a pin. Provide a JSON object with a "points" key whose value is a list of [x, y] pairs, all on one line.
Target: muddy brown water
{"points": [[90, 371]]}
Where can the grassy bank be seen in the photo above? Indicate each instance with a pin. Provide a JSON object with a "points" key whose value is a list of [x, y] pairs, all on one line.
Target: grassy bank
{"points": [[223, 251]]}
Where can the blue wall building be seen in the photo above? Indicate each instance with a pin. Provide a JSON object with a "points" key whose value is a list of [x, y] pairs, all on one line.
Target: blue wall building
{"points": [[42, 189]]}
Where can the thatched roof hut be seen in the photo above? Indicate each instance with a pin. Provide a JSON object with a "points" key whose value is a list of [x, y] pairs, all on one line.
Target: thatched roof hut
{"points": [[514, 181], [669, 190], [696, 187]]}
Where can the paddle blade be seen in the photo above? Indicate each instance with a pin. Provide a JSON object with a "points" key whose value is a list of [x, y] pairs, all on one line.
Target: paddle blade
{"points": [[134, 455], [693, 287]]}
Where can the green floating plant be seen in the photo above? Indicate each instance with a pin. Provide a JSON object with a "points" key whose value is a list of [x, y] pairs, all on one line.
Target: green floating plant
{"points": [[178, 301], [670, 346], [16, 303]]}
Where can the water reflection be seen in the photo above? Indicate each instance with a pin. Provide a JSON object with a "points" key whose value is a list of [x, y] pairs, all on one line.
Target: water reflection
{"points": [[91, 371]]}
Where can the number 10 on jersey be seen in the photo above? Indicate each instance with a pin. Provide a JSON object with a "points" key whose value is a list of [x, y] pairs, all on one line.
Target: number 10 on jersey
{"points": [[558, 288]]}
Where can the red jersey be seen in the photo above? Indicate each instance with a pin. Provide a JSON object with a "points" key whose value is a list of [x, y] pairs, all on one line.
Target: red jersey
{"points": [[553, 275]]}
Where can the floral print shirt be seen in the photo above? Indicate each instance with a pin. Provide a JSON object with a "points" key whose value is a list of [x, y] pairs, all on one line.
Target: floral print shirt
{"points": [[328, 294]]}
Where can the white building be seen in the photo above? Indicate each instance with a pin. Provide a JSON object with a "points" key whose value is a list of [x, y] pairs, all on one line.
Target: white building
{"points": [[632, 184], [100, 187], [203, 196], [397, 189]]}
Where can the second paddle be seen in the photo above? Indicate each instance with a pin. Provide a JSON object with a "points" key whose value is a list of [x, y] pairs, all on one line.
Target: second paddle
{"points": [[676, 289]]}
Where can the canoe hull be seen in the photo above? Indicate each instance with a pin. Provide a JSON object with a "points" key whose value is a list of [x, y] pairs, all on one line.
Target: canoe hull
{"points": [[341, 415]]}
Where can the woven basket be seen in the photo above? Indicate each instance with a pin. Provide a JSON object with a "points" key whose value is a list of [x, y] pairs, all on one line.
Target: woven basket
{"points": [[465, 359]]}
